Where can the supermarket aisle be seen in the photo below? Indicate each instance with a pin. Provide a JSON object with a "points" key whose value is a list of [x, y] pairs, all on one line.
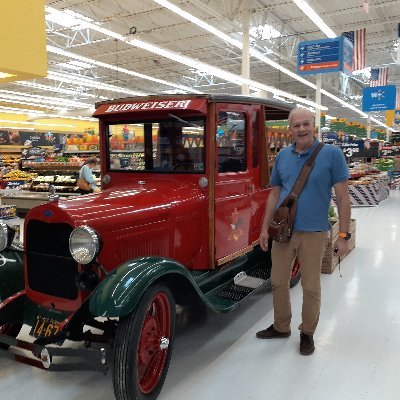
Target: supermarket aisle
{"points": [[357, 353]]}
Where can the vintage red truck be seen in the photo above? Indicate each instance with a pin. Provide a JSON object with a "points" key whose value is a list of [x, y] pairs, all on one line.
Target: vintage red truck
{"points": [[184, 185]]}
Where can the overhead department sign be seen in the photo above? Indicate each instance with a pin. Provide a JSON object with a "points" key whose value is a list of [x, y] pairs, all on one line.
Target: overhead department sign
{"points": [[379, 98]]}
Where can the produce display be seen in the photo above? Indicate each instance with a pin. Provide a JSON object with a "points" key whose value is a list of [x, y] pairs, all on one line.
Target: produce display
{"points": [[17, 175], [385, 164]]}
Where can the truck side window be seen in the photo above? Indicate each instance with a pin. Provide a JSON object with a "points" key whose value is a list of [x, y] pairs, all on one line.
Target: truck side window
{"points": [[231, 141]]}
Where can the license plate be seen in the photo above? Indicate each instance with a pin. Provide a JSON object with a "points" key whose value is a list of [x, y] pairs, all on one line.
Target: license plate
{"points": [[44, 327]]}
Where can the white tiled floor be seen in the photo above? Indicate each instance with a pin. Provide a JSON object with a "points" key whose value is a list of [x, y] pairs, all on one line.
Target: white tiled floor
{"points": [[357, 351]]}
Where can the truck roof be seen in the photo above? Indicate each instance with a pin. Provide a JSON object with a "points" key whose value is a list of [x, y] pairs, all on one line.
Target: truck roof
{"points": [[218, 98]]}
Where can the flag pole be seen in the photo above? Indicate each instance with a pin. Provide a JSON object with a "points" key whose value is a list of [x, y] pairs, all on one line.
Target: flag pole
{"points": [[318, 101], [398, 44], [368, 127]]}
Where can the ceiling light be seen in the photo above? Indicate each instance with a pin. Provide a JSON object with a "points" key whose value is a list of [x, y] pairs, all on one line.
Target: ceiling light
{"points": [[65, 53], [59, 90], [15, 127], [42, 99], [30, 103], [199, 22], [4, 75], [36, 123], [75, 79], [315, 18], [18, 110], [264, 32]]}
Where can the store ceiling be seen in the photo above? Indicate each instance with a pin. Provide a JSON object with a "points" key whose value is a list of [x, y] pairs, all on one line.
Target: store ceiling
{"points": [[148, 21]]}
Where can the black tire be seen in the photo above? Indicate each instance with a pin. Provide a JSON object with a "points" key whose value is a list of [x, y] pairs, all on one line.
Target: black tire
{"points": [[140, 364], [295, 277], [10, 329]]}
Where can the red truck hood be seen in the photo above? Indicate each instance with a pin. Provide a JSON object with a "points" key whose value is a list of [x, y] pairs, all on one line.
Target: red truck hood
{"points": [[149, 200]]}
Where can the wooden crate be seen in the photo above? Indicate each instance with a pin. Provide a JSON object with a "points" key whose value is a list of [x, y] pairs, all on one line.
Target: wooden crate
{"points": [[329, 261]]}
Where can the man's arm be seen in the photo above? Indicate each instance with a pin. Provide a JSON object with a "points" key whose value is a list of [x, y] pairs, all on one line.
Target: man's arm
{"points": [[344, 211], [270, 206]]}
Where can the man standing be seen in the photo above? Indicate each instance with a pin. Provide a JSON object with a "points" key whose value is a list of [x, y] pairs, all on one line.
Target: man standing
{"points": [[310, 226]]}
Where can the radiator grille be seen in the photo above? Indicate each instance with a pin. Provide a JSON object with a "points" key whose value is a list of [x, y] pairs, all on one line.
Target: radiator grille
{"points": [[51, 269]]}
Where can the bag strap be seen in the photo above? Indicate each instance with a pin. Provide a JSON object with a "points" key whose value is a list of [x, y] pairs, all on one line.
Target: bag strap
{"points": [[303, 175]]}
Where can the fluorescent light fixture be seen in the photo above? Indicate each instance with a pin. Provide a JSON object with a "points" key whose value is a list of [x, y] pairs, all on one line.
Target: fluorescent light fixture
{"points": [[67, 18], [42, 99], [343, 103], [4, 75], [30, 103], [266, 32], [15, 127], [92, 83], [59, 90], [36, 123], [18, 110], [315, 18], [199, 22], [80, 118], [56, 50], [75, 65]]}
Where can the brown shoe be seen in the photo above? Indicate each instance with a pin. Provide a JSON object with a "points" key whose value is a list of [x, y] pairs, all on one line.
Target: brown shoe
{"points": [[272, 333], [306, 344]]}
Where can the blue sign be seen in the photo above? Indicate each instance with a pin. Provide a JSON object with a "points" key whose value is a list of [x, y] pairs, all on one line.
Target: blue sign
{"points": [[348, 49], [379, 98], [320, 56]]}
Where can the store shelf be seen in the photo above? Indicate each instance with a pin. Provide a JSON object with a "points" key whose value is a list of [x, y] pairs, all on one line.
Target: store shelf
{"points": [[80, 151], [7, 149], [52, 167]]}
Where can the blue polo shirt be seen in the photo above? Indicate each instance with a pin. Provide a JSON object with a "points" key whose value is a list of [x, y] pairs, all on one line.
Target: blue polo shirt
{"points": [[313, 204]]}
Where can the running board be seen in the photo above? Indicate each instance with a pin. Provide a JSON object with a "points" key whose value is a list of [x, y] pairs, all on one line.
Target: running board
{"points": [[242, 285]]}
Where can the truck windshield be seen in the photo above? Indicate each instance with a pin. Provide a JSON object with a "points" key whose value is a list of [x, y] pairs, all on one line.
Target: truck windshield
{"points": [[175, 145]]}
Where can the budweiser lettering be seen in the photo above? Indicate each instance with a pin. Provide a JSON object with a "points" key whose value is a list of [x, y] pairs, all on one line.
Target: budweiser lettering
{"points": [[151, 105]]}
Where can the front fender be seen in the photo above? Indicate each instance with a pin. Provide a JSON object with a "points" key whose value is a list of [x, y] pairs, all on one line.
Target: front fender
{"points": [[118, 294], [11, 273]]}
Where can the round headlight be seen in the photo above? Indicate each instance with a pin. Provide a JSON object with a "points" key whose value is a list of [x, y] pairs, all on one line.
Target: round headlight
{"points": [[3, 235], [84, 244]]}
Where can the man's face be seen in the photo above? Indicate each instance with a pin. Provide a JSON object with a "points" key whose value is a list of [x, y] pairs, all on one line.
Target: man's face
{"points": [[302, 128]]}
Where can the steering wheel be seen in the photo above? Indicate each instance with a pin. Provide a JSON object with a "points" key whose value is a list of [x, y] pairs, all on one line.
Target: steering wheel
{"points": [[185, 165]]}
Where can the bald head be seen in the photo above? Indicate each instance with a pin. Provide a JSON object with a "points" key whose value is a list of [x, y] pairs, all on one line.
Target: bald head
{"points": [[304, 113]]}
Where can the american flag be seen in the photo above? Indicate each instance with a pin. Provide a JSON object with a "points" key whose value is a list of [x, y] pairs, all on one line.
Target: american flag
{"points": [[398, 98], [357, 38], [379, 76]]}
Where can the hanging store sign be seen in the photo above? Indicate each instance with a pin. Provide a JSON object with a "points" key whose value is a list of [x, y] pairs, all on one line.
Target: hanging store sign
{"points": [[325, 55], [379, 98], [390, 151]]}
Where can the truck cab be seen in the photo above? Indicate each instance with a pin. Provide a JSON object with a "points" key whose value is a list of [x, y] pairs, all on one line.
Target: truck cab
{"points": [[184, 185]]}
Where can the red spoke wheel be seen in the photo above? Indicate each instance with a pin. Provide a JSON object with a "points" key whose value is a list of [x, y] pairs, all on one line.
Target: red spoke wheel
{"points": [[10, 329], [295, 277], [143, 346]]}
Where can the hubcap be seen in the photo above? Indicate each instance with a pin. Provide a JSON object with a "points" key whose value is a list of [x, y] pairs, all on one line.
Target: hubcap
{"points": [[154, 342]]}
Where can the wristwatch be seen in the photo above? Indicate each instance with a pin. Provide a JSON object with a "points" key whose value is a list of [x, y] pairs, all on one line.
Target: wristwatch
{"points": [[345, 235]]}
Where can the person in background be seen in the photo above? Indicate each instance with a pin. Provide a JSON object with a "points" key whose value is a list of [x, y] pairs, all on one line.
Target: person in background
{"points": [[310, 226], [87, 174], [3, 170]]}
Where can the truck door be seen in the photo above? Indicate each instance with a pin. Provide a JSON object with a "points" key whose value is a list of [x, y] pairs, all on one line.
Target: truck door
{"points": [[234, 186]]}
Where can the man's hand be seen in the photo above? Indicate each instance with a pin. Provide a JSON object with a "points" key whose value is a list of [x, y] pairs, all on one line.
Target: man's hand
{"points": [[264, 240], [341, 247]]}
